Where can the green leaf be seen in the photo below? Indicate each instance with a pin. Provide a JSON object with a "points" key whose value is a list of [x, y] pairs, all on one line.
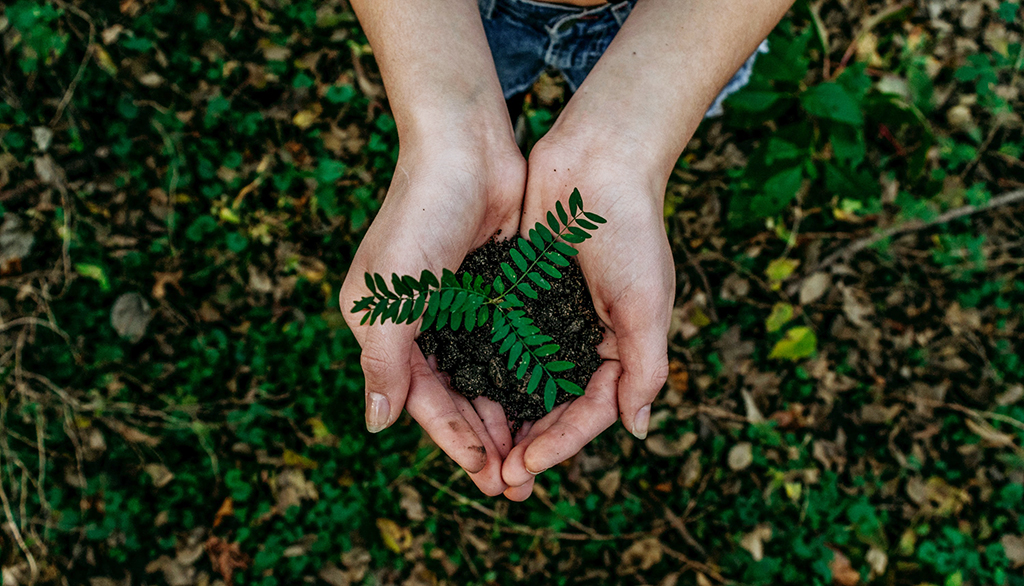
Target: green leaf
{"points": [[546, 350], [536, 239], [552, 223], [366, 318], [550, 394], [518, 259], [448, 279], [434, 303], [513, 300], [540, 281], [467, 280], [382, 286], [550, 270], [800, 342], [446, 298], [506, 344], [400, 286], [572, 238], [527, 290], [564, 217], [500, 333], [442, 319], [514, 353], [781, 314], [369, 282], [536, 339], [831, 100], [417, 308], [379, 310], [460, 300], [482, 315], [560, 366], [526, 249], [535, 377], [499, 285], [427, 279], [565, 249], [405, 310], [411, 283], [499, 321], [428, 319], [469, 320], [523, 365], [456, 321], [595, 218], [507, 269], [753, 101], [557, 258], [569, 386], [575, 202], [585, 224], [362, 304], [545, 234]]}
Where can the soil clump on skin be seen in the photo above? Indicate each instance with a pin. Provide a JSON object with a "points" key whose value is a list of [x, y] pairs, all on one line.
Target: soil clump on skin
{"points": [[472, 362]]}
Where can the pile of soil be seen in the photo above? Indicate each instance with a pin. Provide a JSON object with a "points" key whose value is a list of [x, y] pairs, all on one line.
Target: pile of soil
{"points": [[472, 362]]}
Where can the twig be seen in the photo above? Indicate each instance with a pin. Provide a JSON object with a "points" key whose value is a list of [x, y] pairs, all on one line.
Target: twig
{"points": [[915, 225], [873, 21], [695, 565], [713, 314], [16, 532], [90, 47], [679, 525]]}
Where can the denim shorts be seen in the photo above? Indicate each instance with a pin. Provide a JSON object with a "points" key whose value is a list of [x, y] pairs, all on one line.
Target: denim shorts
{"points": [[528, 37]]}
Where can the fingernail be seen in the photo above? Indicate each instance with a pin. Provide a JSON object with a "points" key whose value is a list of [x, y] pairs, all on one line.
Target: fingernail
{"points": [[642, 420], [532, 472], [377, 413]]}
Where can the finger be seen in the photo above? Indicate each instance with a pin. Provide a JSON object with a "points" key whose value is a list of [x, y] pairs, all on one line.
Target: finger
{"points": [[387, 351], [493, 416], [514, 471], [560, 435], [584, 420], [519, 493], [434, 408], [643, 353], [488, 480]]}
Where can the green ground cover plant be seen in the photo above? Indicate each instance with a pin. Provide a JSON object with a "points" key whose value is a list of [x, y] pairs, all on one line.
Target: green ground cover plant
{"points": [[182, 184]]}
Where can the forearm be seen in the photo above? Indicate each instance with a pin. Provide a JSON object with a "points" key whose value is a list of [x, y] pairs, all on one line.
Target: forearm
{"points": [[676, 57], [437, 67]]}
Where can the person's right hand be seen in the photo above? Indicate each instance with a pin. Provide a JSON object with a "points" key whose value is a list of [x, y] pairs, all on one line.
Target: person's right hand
{"points": [[446, 199]]}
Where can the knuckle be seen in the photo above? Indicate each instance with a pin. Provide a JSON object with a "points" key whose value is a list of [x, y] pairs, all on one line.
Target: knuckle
{"points": [[375, 362]]}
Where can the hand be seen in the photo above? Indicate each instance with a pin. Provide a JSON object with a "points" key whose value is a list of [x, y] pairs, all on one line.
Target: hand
{"points": [[629, 270], [443, 202]]}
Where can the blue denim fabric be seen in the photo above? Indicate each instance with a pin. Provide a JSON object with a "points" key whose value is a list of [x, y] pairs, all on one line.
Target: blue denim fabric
{"points": [[527, 37]]}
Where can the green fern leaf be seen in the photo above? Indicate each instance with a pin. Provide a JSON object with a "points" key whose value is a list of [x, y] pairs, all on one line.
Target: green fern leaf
{"points": [[523, 365], [535, 376], [499, 285], [369, 283], [457, 304], [564, 217], [507, 269], [556, 258], [469, 320], [442, 319], [527, 290], [411, 283], [569, 386], [434, 303], [362, 304], [428, 320], [427, 279], [513, 300], [506, 344], [539, 281], [536, 339], [514, 353], [546, 350], [552, 223], [456, 321], [572, 238], [382, 287], [526, 249], [545, 234], [585, 224], [417, 308], [379, 310], [518, 259], [366, 318], [595, 218], [579, 232], [405, 310], [575, 201], [550, 270], [448, 279], [482, 316], [565, 249], [560, 366], [446, 298], [499, 321], [550, 392], [536, 239]]}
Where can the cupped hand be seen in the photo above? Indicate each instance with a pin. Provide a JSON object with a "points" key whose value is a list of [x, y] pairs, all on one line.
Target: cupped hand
{"points": [[629, 269], [443, 202]]}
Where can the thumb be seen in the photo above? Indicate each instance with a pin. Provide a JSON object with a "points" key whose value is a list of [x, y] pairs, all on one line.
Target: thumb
{"points": [[643, 354], [385, 361]]}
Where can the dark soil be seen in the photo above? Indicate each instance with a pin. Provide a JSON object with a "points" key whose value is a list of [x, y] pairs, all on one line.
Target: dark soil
{"points": [[566, 313]]}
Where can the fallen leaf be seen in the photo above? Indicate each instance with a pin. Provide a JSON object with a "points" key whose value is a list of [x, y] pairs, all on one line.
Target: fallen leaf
{"points": [[610, 482], [843, 573], [130, 316], [227, 509], [297, 460], [779, 270], [753, 542], [857, 306], [160, 474], [741, 456], [16, 241], [813, 287], [991, 436], [226, 558], [411, 503], [396, 538], [800, 342], [878, 560], [641, 555], [659, 445], [781, 314], [1013, 547]]}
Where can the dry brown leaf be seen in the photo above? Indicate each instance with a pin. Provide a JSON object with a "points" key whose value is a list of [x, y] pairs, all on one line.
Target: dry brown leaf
{"points": [[741, 456], [411, 503], [227, 509], [160, 474], [991, 436], [641, 555], [813, 287], [753, 542], [395, 537], [130, 316], [843, 573], [226, 558], [610, 482], [1013, 547]]}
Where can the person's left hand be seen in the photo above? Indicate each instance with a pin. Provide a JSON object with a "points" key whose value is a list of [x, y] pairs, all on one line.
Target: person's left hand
{"points": [[629, 270]]}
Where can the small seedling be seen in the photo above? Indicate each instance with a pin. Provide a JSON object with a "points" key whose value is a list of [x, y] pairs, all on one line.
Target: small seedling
{"points": [[470, 303]]}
